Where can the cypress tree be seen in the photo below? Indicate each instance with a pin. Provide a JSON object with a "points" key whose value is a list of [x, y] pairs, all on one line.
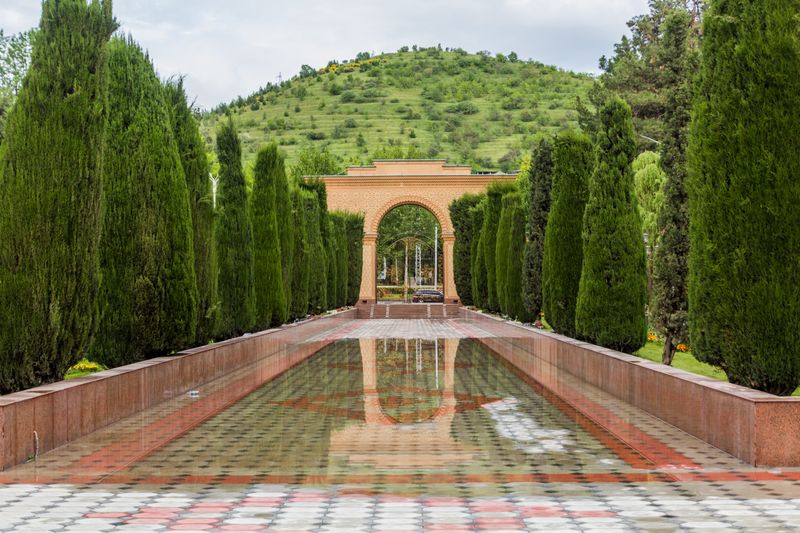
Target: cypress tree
{"points": [[333, 251], [148, 292], [744, 192], [285, 218], [573, 162], [503, 250], [462, 224], [514, 296], [491, 220], [194, 160], [355, 245], [317, 260], [302, 254], [51, 165], [339, 221], [613, 287], [267, 272], [477, 264], [670, 259], [234, 238], [538, 208], [317, 186]]}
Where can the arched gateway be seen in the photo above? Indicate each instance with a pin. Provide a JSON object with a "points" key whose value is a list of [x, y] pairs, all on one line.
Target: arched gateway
{"points": [[376, 190]]}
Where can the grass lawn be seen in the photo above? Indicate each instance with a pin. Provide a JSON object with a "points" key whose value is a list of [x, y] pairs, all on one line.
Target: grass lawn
{"points": [[685, 361]]}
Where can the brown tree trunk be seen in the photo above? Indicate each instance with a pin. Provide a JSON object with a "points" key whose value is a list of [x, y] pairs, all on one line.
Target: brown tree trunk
{"points": [[669, 351]]}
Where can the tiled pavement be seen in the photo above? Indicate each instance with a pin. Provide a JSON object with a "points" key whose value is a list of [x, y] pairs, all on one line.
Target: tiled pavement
{"points": [[364, 438]]}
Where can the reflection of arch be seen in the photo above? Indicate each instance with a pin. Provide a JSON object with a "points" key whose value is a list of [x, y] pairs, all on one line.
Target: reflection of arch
{"points": [[442, 218], [382, 442], [375, 190]]}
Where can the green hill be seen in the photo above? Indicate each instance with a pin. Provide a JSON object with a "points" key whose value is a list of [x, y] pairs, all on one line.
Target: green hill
{"points": [[429, 103]]}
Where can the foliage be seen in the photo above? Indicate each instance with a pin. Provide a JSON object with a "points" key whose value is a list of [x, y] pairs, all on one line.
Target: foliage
{"points": [[538, 206], [613, 287], [267, 270], [573, 163], [15, 59], [315, 161], [744, 163], [195, 165], [511, 237], [355, 244], [301, 265], [477, 264], [491, 220], [669, 298], [648, 180], [234, 238], [148, 292], [462, 224], [316, 255], [286, 234], [397, 151], [400, 101], [341, 258], [51, 164]]}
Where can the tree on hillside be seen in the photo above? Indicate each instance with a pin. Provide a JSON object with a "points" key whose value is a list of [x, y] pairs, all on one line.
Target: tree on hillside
{"points": [[148, 292], [573, 163], [670, 299], [314, 161], [301, 269], [538, 207], [267, 272], [477, 264], [51, 164], [494, 207], [234, 238], [613, 287], [196, 169], [462, 224], [648, 180], [744, 191]]}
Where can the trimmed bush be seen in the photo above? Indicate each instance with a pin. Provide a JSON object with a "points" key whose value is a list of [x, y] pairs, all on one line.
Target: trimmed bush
{"points": [[51, 165], [491, 220], [541, 182], [462, 224], [301, 270], [744, 193], [477, 264], [148, 291], [267, 272], [194, 160], [573, 162], [669, 298], [234, 238], [613, 287]]}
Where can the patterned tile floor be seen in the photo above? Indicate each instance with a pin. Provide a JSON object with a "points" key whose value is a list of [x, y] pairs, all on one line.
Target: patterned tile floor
{"points": [[396, 426]]}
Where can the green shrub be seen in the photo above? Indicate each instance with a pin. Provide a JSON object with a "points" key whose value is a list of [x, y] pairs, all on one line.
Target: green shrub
{"points": [[148, 292], [744, 192], [267, 271], [50, 195], [613, 287], [573, 162], [234, 238]]}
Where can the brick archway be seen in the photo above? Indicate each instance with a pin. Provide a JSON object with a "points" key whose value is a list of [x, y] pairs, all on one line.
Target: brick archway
{"points": [[375, 190]]}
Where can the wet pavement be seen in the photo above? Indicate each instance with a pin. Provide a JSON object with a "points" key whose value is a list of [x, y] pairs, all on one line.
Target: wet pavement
{"points": [[408, 425]]}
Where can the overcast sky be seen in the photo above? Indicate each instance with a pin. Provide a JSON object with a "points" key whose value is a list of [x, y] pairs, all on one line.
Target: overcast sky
{"points": [[232, 47]]}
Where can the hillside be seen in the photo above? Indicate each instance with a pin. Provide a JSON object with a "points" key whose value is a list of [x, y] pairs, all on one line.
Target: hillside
{"points": [[468, 108]]}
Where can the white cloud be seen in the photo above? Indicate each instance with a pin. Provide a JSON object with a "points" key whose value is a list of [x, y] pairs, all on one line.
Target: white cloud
{"points": [[234, 47]]}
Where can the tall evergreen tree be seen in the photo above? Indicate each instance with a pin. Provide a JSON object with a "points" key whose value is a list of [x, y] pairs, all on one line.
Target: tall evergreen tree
{"points": [[502, 250], [285, 218], [514, 297], [462, 224], [491, 220], [613, 286], [333, 252], [477, 264], [355, 243], [51, 164], [194, 160], [148, 292], [538, 209], [317, 259], [670, 299], [744, 192], [268, 274], [302, 254], [573, 163], [234, 238]]}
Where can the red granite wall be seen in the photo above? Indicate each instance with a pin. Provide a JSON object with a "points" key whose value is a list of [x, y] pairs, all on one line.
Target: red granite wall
{"points": [[759, 428], [62, 412]]}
